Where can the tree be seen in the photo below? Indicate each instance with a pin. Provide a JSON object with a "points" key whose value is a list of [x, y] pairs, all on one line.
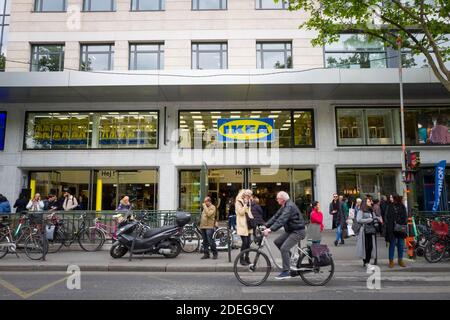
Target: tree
{"points": [[2, 62], [419, 26]]}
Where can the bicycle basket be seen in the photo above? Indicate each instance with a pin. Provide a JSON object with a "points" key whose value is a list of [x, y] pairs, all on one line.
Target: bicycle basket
{"points": [[440, 228], [321, 255]]}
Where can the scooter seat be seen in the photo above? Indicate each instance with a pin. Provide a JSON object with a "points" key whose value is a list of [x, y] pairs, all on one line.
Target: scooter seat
{"points": [[150, 233]]}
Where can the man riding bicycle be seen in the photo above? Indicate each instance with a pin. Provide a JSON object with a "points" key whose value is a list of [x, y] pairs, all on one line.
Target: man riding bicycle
{"points": [[289, 217]]}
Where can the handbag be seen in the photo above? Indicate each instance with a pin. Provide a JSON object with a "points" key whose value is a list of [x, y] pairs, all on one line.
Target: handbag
{"points": [[251, 223], [370, 229], [400, 228]]}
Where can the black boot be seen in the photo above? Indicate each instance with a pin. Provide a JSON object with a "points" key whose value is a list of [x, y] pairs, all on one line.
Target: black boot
{"points": [[205, 256], [247, 259], [215, 255], [243, 262], [342, 241]]}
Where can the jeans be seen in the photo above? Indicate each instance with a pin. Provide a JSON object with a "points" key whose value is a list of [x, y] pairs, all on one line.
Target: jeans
{"points": [[285, 242], [207, 235], [339, 233], [400, 244]]}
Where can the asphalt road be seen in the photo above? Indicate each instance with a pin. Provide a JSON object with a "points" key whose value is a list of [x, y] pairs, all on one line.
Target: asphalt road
{"points": [[217, 286]]}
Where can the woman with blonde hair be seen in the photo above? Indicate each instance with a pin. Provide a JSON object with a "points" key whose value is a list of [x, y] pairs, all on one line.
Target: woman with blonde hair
{"points": [[243, 209]]}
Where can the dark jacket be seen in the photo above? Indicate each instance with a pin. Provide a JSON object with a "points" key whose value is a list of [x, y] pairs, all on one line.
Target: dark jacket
{"points": [[5, 207], [258, 214], [53, 205], [288, 217], [339, 218], [21, 204], [395, 213]]}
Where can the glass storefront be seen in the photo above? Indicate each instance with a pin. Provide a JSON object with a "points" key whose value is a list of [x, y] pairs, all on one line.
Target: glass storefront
{"points": [[291, 128], [425, 183], [427, 126], [91, 130], [224, 185], [361, 182]]}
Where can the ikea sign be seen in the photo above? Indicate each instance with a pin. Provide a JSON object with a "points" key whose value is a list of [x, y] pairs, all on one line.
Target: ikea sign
{"points": [[248, 129]]}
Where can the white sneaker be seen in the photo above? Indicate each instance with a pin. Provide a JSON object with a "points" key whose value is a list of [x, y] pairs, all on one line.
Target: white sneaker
{"points": [[370, 267]]}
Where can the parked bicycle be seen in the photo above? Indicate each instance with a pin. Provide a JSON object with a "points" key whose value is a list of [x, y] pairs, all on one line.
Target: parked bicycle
{"points": [[303, 264], [439, 243], [191, 238]]}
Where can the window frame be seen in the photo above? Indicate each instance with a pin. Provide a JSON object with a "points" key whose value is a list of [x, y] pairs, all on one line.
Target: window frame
{"points": [[110, 54], [131, 53], [223, 5], [38, 5], [162, 6], [290, 110], [2, 143], [157, 111], [198, 51], [87, 4], [37, 45], [258, 5], [285, 51]]}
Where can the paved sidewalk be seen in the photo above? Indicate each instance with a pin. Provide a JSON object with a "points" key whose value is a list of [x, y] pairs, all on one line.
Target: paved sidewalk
{"points": [[344, 256]]}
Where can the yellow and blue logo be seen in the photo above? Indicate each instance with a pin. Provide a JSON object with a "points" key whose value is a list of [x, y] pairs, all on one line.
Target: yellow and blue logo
{"points": [[246, 129]]}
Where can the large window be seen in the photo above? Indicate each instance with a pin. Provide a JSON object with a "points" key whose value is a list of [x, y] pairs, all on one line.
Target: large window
{"points": [[427, 126], [147, 5], [146, 56], [48, 57], [99, 5], [2, 130], [410, 60], [274, 55], [91, 130], [5, 10], [290, 128], [355, 51], [209, 4], [271, 4], [379, 126], [50, 5], [209, 56], [97, 57]]}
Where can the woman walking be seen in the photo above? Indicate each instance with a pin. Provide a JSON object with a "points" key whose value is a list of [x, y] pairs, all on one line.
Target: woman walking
{"points": [[243, 210], [396, 223], [316, 226], [365, 242]]}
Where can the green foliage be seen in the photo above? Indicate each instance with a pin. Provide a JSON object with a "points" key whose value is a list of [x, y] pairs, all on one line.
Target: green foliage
{"points": [[2, 62]]}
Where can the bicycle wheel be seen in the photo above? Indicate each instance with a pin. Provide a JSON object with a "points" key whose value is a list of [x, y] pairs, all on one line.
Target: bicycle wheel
{"points": [[190, 240], [221, 237], [435, 250], [256, 272], [56, 244], [34, 247], [4, 241], [314, 275], [91, 239]]}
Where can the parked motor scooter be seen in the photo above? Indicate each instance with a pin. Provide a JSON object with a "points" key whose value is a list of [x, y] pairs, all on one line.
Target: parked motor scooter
{"points": [[140, 239]]}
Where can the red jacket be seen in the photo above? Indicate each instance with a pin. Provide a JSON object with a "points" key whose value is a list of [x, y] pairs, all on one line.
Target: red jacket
{"points": [[317, 218]]}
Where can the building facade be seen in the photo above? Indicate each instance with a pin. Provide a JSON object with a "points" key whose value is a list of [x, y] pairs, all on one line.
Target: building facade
{"points": [[115, 97]]}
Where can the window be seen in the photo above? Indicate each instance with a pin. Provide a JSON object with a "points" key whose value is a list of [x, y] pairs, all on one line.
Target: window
{"points": [[379, 126], [427, 126], [2, 130], [91, 130], [47, 57], [201, 129], [97, 57], [355, 51], [99, 5], [410, 60], [270, 4], [146, 56], [5, 10], [50, 5], [274, 55], [209, 56], [147, 5], [209, 4]]}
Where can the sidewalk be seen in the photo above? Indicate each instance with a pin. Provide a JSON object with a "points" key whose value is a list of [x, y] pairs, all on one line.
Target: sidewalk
{"points": [[344, 256]]}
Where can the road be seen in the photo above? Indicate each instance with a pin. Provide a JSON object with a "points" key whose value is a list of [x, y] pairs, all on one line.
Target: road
{"points": [[217, 286]]}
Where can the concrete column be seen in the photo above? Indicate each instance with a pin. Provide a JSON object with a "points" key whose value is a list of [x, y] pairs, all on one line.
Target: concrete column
{"points": [[325, 187], [121, 55], [72, 56], [168, 187]]}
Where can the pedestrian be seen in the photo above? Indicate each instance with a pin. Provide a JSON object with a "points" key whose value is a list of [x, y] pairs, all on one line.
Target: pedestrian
{"points": [[377, 212], [383, 206], [396, 223], [257, 211], [21, 203], [244, 211], [70, 202], [316, 226], [207, 223], [289, 217], [124, 204], [5, 207], [365, 242], [231, 214], [345, 208], [36, 204], [52, 203], [337, 211]]}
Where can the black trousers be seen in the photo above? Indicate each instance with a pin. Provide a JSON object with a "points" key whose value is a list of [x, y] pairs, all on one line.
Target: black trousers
{"points": [[245, 243], [369, 247]]}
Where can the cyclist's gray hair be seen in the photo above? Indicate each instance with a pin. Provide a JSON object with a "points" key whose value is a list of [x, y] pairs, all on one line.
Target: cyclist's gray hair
{"points": [[283, 195]]}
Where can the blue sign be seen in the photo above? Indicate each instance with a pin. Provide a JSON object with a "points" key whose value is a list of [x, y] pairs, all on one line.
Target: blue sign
{"points": [[245, 129], [2, 130], [439, 184]]}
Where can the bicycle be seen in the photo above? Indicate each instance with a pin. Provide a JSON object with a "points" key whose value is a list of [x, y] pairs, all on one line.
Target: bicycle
{"points": [[89, 238], [191, 238], [34, 244], [260, 267], [439, 242], [108, 230]]}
